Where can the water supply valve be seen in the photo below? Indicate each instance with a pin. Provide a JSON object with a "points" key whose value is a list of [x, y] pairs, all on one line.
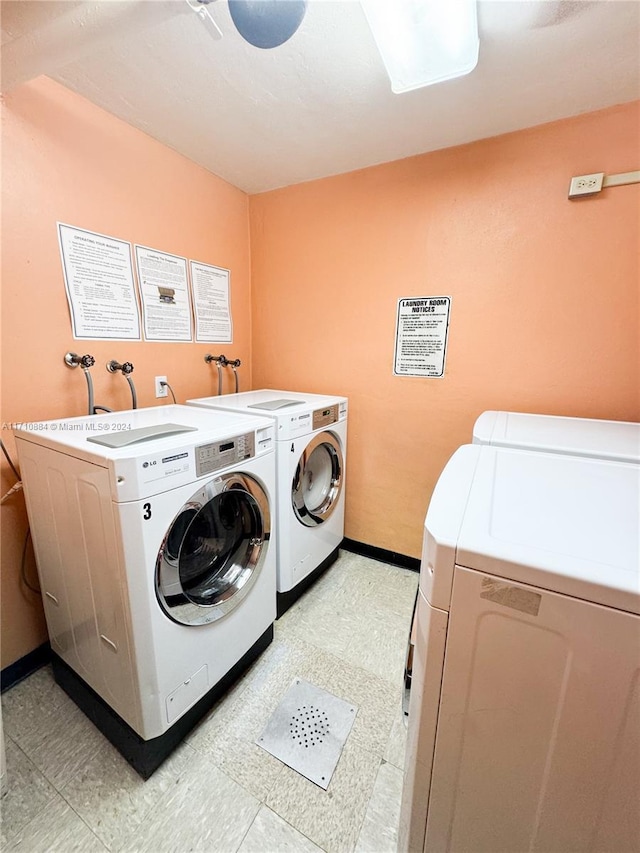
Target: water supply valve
{"points": [[72, 359], [113, 366]]}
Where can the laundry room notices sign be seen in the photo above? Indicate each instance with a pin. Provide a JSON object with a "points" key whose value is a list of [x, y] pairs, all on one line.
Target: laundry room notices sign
{"points": [[422, 327]]}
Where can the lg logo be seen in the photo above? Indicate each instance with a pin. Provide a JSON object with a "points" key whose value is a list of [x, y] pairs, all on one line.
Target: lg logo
{"points": [[146, 464]]}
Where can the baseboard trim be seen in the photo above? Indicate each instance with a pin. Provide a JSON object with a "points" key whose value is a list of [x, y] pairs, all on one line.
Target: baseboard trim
{"points": [[24, 666], [381, 554]]}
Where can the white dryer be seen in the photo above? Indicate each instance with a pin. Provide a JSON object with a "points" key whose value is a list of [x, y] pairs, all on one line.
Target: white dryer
{"points": [[524, 714], [311, 455], [156, 555], [616, 440]]}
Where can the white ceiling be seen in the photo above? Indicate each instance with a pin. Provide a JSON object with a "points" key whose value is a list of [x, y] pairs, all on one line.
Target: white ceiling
{"points": [[320, 104]]}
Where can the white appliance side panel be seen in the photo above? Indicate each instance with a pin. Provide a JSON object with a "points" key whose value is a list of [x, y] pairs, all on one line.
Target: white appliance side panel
{"points": [[300, 548], [48, 552], [77, 553], [615, 440], [428, 660], [537, 743], [108, 591], [442, 525]]}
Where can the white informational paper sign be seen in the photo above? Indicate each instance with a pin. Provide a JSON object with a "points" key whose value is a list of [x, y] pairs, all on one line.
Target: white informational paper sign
{"points": [[211, 304], [98, 279], [164, 289], [421, 336]]}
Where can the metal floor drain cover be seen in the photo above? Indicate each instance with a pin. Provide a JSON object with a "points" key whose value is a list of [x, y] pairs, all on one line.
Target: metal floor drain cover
{"points": [[308, 730]]}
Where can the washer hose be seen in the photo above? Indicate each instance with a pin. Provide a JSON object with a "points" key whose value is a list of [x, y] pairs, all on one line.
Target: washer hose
{"points": [[134, 397]]}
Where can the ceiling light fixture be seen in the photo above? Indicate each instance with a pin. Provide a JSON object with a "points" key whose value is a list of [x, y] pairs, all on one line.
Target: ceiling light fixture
{"points": [[424, 41], [267, 23]]}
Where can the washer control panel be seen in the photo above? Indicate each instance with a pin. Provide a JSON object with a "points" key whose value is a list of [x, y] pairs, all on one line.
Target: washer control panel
{"points": [[221, 454], [324, 417]]}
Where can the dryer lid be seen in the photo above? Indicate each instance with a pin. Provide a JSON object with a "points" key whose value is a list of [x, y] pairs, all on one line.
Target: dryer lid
{"points": [[568, 524], [616, 440]]}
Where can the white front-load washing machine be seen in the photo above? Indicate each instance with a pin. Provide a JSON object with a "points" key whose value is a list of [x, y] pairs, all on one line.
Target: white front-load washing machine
{"points": [[156, 555], [615, 440], [311, 455]]}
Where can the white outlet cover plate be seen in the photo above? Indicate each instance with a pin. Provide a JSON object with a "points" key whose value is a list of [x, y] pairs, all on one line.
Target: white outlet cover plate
{"points": [[586, 184]]}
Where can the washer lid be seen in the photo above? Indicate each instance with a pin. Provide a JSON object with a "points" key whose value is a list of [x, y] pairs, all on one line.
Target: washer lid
{"points": [[565, 523], [616, 440], [136, 436], [292, 411], [187, 427]]}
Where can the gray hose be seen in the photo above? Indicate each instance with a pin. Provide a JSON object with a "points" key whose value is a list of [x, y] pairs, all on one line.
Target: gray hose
{"points": [[134, 398], [91, 402], [12, 466], [235, 375], [219, 379]]}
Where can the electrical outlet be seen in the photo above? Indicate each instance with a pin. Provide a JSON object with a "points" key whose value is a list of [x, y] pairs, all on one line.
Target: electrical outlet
{"points": [[586, 185], [161, 390]]}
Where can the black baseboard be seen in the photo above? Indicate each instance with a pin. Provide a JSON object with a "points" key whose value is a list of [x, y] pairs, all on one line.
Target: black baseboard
{"points": [[284, 600], [145, 756], [23, 667], [381, 554]]}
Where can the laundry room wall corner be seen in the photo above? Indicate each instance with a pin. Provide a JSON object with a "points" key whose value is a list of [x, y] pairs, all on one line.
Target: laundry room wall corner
{"points": [[544, 311], [66, 160]]}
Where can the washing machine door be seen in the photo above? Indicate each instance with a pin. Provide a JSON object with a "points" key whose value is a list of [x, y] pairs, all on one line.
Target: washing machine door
{"points": [[214, 550], [317, 482]]}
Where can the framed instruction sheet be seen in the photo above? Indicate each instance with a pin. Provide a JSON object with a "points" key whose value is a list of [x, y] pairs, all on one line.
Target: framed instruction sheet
{"points": [[211, 303], [422, 328], [98, 279], [164, 289]]}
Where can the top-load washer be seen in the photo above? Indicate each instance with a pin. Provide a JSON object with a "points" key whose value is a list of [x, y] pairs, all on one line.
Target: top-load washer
{"points": [[311, 454], [524, 714], [155, 550], [615, 440]]}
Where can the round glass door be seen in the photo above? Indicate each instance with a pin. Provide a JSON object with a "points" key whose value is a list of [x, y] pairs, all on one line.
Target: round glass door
{"points": [[213, 551], [317, 482]]}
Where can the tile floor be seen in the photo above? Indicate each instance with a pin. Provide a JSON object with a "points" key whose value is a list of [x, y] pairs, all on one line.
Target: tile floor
{"points": [[70, 790]]}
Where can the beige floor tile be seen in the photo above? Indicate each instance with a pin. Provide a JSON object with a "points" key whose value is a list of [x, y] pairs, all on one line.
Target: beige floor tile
{"points": [[378, 643], [325, 622], [113, 799], [270, 834], [379, 833], [331, 819], [204, 810], [244, 762], [57, 830], [28, 792], [63, 745], [34, 704], [397, 743], [389, 586]]}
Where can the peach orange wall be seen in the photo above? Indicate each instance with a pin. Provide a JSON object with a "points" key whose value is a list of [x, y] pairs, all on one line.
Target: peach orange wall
{"points": [[544, 299], [65, 159]]}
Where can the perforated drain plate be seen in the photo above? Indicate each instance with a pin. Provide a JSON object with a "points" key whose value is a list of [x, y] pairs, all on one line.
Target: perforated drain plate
{"points": [[308, 730]]}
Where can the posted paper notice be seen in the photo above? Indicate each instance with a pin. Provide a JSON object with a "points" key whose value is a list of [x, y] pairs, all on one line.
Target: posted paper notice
{"points": [[164, 289], [211, 303], [98, 279], [421, 336]]}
